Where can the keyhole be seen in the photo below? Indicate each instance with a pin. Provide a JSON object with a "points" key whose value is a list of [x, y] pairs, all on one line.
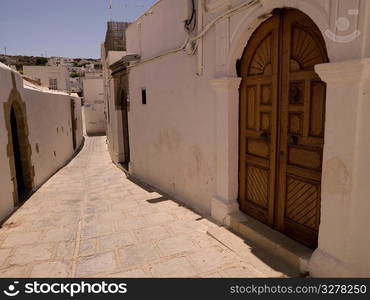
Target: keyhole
{"points": [[295, 94]]}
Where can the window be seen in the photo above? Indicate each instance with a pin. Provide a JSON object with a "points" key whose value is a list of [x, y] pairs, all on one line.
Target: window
{"points": [[143, 96], [53, 84]]}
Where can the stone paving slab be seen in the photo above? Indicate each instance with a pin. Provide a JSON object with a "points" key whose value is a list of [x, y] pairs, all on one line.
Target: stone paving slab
{"points": [[89, 220]]}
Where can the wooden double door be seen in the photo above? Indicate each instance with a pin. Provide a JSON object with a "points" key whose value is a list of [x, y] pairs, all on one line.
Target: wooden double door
{"points": [[282, 114]]}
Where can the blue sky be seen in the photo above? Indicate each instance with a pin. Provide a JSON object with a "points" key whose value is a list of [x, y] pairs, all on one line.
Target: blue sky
{"points": [[70, 28]]}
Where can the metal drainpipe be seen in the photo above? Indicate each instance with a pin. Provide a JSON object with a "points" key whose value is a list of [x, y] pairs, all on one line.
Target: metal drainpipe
{"points": [[200, 41]]}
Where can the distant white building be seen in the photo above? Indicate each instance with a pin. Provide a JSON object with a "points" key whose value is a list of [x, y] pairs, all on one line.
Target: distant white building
{"points": [[94, 104], [56, 78], [60, 61]]}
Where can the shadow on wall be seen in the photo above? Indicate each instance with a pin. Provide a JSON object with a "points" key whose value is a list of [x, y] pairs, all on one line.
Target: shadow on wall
{"points": [[29, 195]]}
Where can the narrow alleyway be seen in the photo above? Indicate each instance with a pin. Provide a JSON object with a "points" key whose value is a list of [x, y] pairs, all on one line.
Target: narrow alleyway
{"points": [[89, 220]]}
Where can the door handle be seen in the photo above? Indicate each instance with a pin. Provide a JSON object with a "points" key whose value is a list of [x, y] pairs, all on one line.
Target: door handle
{"points": [[292, 139], [264, 135], [295, 94]]}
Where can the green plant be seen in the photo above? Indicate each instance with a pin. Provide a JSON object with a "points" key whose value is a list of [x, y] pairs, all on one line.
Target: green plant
{"points": [[41, 61], [75, 74]]}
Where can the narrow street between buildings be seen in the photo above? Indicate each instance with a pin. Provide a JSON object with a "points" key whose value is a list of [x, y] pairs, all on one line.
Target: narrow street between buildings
{"points": [[90, 220]]}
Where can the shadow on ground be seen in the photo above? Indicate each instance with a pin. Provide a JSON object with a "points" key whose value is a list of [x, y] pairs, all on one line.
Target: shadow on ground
{"points": [[265, 256]]}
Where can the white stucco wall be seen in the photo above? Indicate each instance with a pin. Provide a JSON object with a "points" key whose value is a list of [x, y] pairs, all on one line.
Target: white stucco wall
{"points": [[6, 198], [172, 136], [185, 139], [52, 132], [94, 106], [49, 124], [164, 19], [177, 126]]}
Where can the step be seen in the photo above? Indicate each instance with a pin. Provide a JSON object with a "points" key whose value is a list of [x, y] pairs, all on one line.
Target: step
{"points": [[285, 252]]}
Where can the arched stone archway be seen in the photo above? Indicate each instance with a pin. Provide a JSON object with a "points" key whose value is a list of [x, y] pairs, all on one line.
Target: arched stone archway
{"points": [[19, 150]]}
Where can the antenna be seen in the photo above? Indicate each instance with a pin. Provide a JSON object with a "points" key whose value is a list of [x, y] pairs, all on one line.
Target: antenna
{"points": [[110, 11]]}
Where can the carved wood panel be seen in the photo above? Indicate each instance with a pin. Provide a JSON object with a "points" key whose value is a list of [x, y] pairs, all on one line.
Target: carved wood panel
{"points": [[282, 115], [258, 106]]}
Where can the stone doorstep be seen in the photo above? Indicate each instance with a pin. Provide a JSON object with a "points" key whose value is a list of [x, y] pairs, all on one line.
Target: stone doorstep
{"points": [[286, 250]]}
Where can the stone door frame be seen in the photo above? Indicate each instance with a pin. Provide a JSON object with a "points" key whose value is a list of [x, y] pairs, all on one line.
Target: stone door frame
{"points": [[15, 101]]}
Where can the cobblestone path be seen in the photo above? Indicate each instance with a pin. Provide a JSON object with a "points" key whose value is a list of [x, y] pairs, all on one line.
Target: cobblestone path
{"points": [[89, 220]]}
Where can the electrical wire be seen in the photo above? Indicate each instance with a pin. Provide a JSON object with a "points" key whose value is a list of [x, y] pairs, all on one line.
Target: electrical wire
{"points": [[192, 19], [201, 34], [188, 21], [226, 15]]}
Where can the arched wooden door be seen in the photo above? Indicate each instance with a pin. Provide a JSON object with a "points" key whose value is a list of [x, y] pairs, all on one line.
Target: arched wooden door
{"points": [[282, 112]]}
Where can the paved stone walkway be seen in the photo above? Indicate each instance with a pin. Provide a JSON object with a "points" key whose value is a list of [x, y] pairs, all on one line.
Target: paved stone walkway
{"points": [[89, 220]]}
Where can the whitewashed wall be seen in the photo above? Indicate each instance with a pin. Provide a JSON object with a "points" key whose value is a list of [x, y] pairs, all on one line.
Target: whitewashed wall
{"points": [[6, 185], [94, 106], [172, 136], [49, 124], [52, 132], [185, 140]]}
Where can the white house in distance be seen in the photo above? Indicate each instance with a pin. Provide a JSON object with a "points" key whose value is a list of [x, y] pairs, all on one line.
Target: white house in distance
{"points": [[53, 77], [40, 131], [93, 87], [60, 61], [255, 113]]}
